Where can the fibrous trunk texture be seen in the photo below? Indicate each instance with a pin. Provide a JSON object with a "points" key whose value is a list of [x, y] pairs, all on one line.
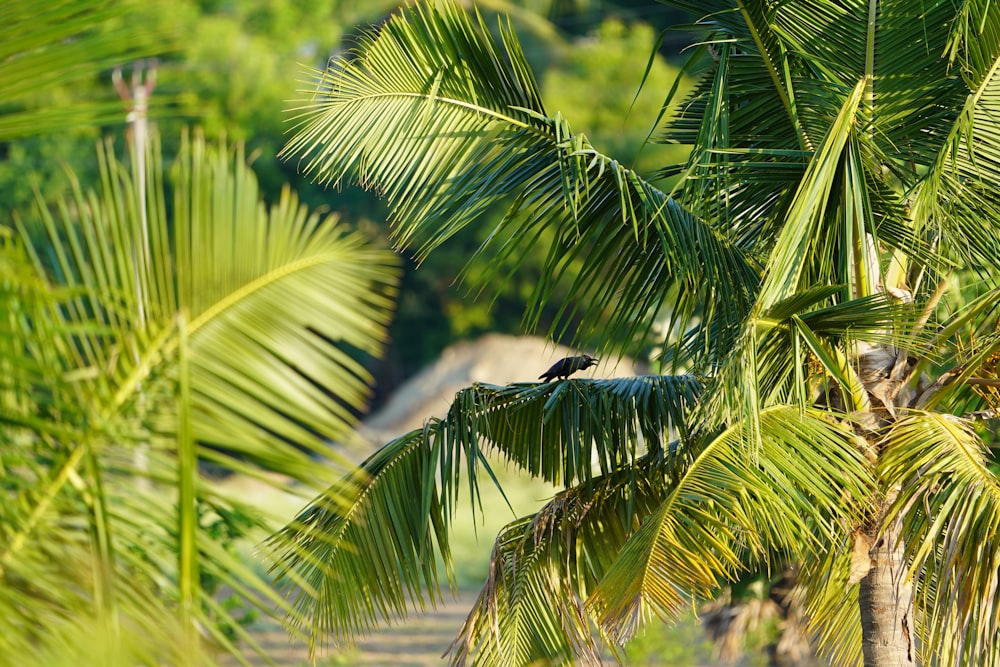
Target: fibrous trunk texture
{"points": [[885, 597]]}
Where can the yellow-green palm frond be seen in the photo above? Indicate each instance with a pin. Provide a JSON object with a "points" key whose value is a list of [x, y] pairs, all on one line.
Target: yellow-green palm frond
{"points": [[145, 340], [44, 45], [790, 497], [830, 592], [970, 340], [803, 351], [949, 502], [544, 566], [272, 298]]}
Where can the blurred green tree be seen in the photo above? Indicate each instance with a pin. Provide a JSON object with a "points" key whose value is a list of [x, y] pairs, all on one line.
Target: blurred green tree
{"points": [[139, 344], [159, 321]]}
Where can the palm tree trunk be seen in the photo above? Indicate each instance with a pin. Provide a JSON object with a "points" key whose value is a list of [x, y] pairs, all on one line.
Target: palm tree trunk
{"points": [[885, 597]]}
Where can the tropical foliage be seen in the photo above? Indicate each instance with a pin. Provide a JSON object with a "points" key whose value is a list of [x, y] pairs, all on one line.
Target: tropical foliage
{"points": [[45, 47], [231, 68], [141, 345], [162, 325], [842, 180]]}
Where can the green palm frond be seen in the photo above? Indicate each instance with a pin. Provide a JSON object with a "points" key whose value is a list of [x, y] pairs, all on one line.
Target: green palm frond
{"points": [[909, 88], [742, 173], [555, 431], [759, 19], [149, 536], [451, 126], [793, 247], [31, 362], [260, 319], [727, 503], [144, 342], [288, 310], [733, 183], [803, 352], [956, 391], [42, 589], [749, 27], [959, 198], [949, 502], [543, 567], [970, 340], [826, 585], [909, 85], [602, 424], [749, 150], [973, 42], [357, 553], [528, 611]]}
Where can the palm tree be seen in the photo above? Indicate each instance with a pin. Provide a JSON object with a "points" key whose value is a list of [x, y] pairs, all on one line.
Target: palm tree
{"points": [[172, 314], [826, 264], [223, 337]]}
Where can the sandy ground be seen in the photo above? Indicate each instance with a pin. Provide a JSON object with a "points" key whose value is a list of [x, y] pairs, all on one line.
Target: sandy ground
{"points": [[418, 642]]}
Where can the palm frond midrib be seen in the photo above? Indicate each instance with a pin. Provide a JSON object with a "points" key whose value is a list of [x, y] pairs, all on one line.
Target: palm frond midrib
{"points": [[495, 111]]}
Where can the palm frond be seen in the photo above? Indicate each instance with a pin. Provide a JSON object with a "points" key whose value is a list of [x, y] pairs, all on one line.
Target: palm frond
{"points": [[759, 18], [949, 501], [805, 352], [969, 339], [143, 343], [789, 497], [31, 354], [50, 44], [355, 555], [909, 89], [527, 612], [555, 431], [742, 174], [793, 247], [291, 310], [543, 567], [602, 424], [742, 164], [973, 43], [746, 29], [957, 200], [451, 126], [826, 584], [261, 320]]}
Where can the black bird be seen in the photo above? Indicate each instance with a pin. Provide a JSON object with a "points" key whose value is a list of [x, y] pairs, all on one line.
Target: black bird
{"points": [[566, 367]]}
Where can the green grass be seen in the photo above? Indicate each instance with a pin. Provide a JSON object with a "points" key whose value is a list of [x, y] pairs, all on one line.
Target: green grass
{"points": [[475, 529], [682, 644]]}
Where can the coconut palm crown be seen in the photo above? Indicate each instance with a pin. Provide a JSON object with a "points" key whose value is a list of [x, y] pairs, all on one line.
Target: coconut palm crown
{"points": [[826, 261]]}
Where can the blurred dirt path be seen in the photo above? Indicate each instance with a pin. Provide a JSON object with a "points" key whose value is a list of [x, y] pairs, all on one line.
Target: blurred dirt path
{"points": [[418, 642]]}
